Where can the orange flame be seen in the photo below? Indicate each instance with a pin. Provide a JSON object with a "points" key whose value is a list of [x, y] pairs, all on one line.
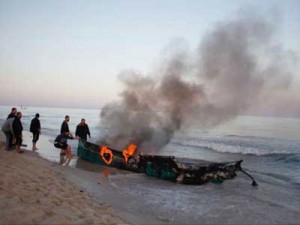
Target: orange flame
{"points": [[129, 152], [104, 151]]}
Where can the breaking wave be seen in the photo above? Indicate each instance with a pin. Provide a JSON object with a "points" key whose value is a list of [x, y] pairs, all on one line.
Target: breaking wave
{"points": [[245, 145]]}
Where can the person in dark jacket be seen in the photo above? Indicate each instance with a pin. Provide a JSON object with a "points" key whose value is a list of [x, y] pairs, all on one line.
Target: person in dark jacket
{"points": [[12, 113], [17, 129], [35, 129], [82, 130], [65, 126]]}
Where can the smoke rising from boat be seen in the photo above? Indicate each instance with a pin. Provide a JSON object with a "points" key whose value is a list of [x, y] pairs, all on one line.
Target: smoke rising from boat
{"points": [[233, 66]]}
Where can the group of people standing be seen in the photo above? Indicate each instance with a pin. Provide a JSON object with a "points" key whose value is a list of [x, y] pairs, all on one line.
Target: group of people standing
{"points": [[13, 128]]}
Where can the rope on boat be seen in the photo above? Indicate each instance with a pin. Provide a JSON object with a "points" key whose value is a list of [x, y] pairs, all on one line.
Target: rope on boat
{"points": [[253, 181]]}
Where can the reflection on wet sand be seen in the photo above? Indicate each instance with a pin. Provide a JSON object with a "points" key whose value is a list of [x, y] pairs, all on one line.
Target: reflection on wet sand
{"points": [[64, 161], [92, 167]]}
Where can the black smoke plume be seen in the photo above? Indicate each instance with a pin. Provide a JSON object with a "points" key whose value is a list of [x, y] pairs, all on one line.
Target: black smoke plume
{"points": [[226, 74]]}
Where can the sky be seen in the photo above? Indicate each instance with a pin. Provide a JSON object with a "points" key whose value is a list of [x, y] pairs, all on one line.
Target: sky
{"points": [[69, 53]]}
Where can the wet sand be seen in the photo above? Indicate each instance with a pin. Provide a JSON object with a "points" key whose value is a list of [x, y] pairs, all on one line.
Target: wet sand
{"points": [[36, 191]]}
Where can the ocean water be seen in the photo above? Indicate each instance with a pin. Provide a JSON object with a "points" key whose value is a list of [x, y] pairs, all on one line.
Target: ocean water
{"points": [[269, 146]]}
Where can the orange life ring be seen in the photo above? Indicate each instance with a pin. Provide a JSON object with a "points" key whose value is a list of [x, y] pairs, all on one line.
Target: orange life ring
{"points": [[105, 150], [129, 151]]}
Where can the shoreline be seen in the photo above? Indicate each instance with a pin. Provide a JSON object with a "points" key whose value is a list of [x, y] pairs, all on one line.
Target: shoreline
{"points": [[34, 190]]}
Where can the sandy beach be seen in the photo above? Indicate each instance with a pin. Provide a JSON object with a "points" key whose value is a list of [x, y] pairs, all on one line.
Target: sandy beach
{"points": [[36, 191]]}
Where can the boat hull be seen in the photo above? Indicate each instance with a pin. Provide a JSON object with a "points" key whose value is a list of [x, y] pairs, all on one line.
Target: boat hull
{"points": [[180, 171], [91, 152]]}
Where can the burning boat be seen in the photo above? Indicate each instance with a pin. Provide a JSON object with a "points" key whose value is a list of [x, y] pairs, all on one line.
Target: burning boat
{"points": [[180, 170], [103, 155]]}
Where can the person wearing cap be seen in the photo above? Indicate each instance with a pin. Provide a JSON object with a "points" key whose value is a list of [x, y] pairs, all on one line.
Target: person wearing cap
{"points": [[35, 129]]}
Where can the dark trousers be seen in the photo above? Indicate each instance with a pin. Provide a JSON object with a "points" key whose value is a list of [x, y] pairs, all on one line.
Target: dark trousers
{"points": [[35, 137]]}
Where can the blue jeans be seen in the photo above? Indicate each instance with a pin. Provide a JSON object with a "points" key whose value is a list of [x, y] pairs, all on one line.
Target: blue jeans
{"points": [[8, 140]]}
